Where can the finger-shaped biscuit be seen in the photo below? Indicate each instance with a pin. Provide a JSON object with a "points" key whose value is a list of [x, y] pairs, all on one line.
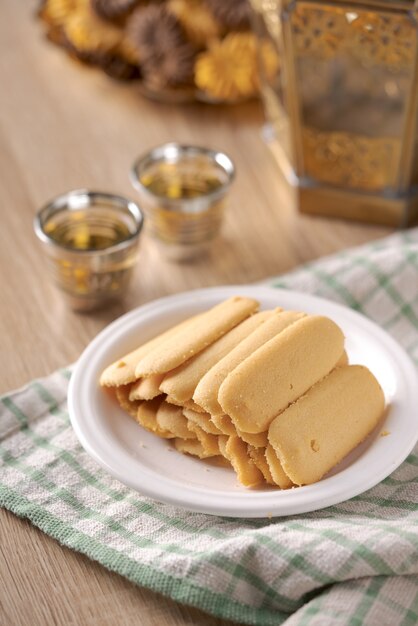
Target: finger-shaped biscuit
{"points": [[209, 442], [181, 382], [206, 392], [122, 394], [236, 451], [224, 423], [280, 371], [203, 331], [170, 419], [260, 461], [171, 400], [277, 472], [122, 371], [193, 447], [343, 360], [203, 420], [146, 388], [258, 440], [190, 404], [325, 424], [222, 441], [146, 416]]}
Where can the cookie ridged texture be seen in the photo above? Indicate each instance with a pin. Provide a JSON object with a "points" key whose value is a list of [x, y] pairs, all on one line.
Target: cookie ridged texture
{"points": [[113, 9], [154, 30], [233, 14], [118, 68], [165, 69], [167, 58]]}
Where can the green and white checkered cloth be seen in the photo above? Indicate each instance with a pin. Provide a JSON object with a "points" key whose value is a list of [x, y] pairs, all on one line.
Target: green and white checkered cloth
{"points": [[355, 563]]}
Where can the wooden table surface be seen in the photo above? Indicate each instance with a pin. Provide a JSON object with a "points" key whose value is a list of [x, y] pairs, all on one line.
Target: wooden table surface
{"points": [[64, 126]]}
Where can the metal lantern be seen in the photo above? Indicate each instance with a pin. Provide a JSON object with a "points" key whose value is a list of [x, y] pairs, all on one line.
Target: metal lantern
{"points": [[342, 103]]}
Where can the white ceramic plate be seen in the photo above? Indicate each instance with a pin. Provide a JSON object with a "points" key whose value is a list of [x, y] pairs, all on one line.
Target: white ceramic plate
{"points": [[149, 465]]}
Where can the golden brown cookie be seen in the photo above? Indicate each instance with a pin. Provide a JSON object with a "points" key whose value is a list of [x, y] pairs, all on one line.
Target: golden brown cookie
{"points": [[278, 475], [236, 452], [259, 458], [280, 371], [190, 404], [202, 332], [257, 440], [323, 426], [122, 371], [146, 388], [203, 420], [146, 417], [181, 382], [122, 394], [206, 392], [343, 360], [170, 419], [224, 423], [192, 447], [209, 442]]}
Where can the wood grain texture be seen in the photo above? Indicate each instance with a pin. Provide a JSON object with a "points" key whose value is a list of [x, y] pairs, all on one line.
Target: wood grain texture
{"points": [[64, 126]]}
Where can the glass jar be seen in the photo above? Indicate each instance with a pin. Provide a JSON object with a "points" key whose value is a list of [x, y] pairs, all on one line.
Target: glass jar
{"points": [[342, 107]]}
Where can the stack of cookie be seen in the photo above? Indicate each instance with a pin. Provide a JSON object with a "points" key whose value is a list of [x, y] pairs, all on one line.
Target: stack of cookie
{"points": [[271, 392]]}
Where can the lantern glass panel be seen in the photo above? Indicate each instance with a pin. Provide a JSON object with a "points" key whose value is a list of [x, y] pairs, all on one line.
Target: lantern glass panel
{"points": [[268, 27], [353, 73]]}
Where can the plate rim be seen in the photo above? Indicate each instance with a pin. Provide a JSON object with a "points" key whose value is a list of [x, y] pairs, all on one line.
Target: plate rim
{"points": [[231, 509]]}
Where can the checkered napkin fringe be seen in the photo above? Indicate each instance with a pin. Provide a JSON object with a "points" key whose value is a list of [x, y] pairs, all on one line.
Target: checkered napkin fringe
{"points": [[355, 563]]}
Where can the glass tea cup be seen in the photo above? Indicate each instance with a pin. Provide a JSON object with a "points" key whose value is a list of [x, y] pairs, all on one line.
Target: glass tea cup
{"points": [[90, 240], [182, 190]]}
